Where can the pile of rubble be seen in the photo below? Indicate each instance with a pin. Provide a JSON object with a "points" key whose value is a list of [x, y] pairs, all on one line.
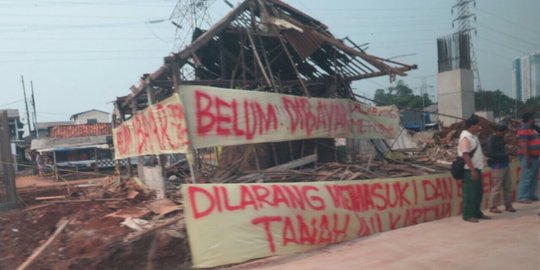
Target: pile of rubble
{"points": [[442, 148], [115, 224]]}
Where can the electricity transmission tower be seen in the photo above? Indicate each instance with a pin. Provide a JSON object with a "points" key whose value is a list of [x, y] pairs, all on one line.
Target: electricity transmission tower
{"points": [[463, 19], [188, 15]]}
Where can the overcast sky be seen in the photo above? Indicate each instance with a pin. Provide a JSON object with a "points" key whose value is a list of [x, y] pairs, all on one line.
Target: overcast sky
{"points": [[82, 54]]}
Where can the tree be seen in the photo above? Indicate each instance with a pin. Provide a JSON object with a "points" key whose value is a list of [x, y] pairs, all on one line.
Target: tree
{"points": [[531, 105], [402, 96], [496, 101]]}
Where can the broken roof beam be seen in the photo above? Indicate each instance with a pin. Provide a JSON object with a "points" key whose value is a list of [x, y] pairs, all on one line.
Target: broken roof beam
{"points": [[258, 59], [378, 74], [368, 58], [147, 80], [288, 8], [304, 87], [328, 38]]}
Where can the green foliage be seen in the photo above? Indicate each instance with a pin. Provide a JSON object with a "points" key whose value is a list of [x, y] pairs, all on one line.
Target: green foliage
{"points": [[402, 96], [531, 105], [496, 101], [501, 105]]}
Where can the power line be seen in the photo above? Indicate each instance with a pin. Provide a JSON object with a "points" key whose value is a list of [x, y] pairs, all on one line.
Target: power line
{"points": [[536, 45], [501, 44], [10, 103], [81, 51], [495, 54], [77, 59], [42, 3], [398, 31], [55, 16], [508, 21], [377, 9], [75, 38], [33, 28]]}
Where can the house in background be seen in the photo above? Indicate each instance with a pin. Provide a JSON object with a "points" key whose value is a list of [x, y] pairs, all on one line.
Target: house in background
{"points": [[15, 125], [90, 117], [75, 147], [16, 136]]}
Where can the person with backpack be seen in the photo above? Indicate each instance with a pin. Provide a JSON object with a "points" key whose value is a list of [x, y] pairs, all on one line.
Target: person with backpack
{"points": [[499, 163], [470, 149]]}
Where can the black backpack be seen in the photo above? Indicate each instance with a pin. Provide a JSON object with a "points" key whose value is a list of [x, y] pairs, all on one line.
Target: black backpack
{"points": [[458, 166]]}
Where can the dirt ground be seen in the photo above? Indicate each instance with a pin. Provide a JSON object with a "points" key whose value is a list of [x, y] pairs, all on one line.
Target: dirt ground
{"points": [[91, 240]]}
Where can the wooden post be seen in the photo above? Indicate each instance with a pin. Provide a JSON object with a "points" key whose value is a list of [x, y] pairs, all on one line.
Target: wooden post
{"points": [[306, 92], [116, 161], [6, 162], [191, 156], [302, 150], [55, 166], [257, 164], [96, 159], [140, 159], [161, 158], [291, 150], [261, 66], [316, 151], [128, 160], [222, 57], [274, 153]]}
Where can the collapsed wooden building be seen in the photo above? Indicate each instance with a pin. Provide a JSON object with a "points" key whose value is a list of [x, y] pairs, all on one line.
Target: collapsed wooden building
{"points": [[263, 46]]}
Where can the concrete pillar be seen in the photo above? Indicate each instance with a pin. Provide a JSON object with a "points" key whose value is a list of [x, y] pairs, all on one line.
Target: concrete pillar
{"points": [[455, 94]]}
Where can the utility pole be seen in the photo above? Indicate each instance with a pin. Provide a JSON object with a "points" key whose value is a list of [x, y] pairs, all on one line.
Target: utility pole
{"points": [[34, 106], [188, 15], [463, 19], [26, 104]]}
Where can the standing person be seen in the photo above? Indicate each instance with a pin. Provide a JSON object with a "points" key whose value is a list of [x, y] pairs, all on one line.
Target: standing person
{"points": [[470, 149], [529, 151], [498, 162], [40, 164]]}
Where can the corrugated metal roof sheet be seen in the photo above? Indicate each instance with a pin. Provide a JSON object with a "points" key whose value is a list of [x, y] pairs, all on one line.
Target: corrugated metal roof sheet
{"points": [[56, 144], [92, 110], [83, 130]]}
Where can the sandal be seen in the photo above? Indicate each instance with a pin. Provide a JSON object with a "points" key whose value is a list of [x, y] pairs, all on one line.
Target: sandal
{"points": [[473, 220], [495, 210], [510, 209]]}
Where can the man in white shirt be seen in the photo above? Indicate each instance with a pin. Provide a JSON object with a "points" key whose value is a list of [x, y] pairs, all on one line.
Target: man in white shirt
{"points": [[470, 149]]}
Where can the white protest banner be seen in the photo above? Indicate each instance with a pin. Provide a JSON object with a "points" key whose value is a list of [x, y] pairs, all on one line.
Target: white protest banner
{"points": [[218, 116], [159, 129]]}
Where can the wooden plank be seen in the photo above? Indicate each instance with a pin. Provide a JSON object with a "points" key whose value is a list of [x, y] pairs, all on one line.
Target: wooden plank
{"points": [[414, 165], [133, 212], [133, 237], [50, 198], [84, 201], [40, 250], [34, 207], [294, 164], [164, 206]]}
